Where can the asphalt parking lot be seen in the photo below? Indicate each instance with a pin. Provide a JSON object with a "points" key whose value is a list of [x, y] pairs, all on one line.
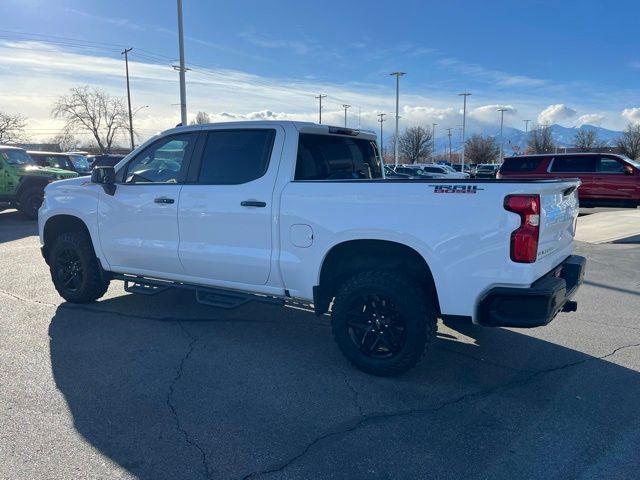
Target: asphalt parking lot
{"points": [[161, 387]]}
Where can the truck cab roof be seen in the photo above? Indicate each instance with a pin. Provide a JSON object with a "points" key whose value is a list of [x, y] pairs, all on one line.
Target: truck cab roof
{"points": [[302, 127]]}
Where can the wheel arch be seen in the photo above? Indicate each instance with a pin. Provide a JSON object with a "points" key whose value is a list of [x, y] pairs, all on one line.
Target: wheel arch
{"points": [[352, 256], [28, 182], [57, 225]]}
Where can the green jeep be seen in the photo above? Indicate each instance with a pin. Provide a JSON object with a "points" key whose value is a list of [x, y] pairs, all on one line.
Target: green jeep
{"points": [[22, 183]]}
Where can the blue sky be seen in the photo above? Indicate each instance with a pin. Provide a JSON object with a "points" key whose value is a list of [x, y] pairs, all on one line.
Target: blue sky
{"points": [[552, 62]]}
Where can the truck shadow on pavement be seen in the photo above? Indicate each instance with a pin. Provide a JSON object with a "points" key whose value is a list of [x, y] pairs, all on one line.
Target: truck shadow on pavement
{"points": [[183, 391], [14, 226]]}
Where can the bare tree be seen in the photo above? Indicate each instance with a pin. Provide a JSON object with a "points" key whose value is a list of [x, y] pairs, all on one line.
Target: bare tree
{"points": [[94, 111], [629, 142], [66, 141], [12, 127], [540, 141], [201, 118], [415, 144], [480, 149], [587, 140]]}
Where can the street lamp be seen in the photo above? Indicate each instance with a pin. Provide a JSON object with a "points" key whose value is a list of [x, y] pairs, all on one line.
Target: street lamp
{"points": [[464, 126], [381, 119], [139, 108], [133, 114], [433, 141], [346, 107], [395, 150], [502, 110]]}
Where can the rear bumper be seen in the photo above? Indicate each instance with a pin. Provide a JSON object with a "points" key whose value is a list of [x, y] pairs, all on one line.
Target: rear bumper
{"points": [[537, 305]]}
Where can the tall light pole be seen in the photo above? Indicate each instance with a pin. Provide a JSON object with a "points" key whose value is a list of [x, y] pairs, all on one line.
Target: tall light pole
{"points": [[449, 135], [181, 69], [125, 52], [433, 140], [319, 98], [502, 110], [346, 107], [395, 149], [526, 126], [464, 126], [380, 120]]}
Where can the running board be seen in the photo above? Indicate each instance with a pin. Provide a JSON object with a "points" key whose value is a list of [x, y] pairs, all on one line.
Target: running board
{"points": [[133, 286], [213, 297]]}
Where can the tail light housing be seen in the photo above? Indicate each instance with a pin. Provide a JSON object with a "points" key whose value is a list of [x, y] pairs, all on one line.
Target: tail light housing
{"points": [[524, 239]]}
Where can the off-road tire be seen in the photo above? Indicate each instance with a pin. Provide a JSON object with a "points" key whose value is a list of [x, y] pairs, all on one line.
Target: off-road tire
{"points": [[414, 306], [30, 200], [92, 285]]}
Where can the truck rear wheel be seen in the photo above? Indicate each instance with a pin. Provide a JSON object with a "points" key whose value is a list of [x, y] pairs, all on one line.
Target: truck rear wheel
{"points": [[74, 269], [30, 201], [383, 323]]}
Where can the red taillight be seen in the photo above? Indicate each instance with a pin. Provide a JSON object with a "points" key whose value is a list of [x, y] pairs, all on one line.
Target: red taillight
{"points": [[524, 240]]}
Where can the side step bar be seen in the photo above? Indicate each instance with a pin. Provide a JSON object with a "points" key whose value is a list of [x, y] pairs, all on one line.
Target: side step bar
{"points": [[214, 297]]}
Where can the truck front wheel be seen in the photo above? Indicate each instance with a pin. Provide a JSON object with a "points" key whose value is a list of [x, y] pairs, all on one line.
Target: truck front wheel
{"points": [[74, 268], [382, 322]]}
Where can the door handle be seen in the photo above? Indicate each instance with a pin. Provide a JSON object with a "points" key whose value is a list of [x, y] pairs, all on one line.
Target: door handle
{"points": [[253, 203], [165, 200]]}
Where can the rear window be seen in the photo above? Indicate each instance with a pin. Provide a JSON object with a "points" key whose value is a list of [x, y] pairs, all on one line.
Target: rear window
{"points": [[521, 164], [574, 164], [329, 157]]}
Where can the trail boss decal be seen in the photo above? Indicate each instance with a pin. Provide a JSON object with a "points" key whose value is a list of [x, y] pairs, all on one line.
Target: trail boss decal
{"points": [[455, 188]]}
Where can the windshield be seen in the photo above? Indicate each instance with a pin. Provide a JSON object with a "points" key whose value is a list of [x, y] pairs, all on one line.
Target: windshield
{"points": [[80, 162], [16, 157]]}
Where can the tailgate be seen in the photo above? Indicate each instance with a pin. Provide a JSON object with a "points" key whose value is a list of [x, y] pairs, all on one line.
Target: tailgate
{"points": [[559, 214]]}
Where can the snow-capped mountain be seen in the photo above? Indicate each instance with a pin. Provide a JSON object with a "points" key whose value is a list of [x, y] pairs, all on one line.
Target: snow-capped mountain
{"points": [[562, 136]]}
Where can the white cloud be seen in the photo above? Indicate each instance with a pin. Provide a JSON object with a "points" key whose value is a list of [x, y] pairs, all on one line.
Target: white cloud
{"points": [[489, 114], [590, 119], [555, 114], [489, 75], [296, 46], [632, 114]]}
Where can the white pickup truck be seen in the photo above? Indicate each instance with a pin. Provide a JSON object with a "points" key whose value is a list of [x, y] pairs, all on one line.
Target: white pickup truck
{"points": [[300, 212]]}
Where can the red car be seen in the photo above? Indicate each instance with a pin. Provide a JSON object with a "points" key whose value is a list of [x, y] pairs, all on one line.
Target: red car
{"points": [[607, 179]]}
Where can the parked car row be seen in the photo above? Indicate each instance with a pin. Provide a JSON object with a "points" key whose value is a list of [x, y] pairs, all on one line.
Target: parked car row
{"points": [[607, 179], [24, 174], [23, 178]]}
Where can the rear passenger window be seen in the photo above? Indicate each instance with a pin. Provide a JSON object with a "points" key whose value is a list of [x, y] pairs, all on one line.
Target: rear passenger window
{"points": [[330, 157], [610, 165], [521, 164], [574, 164], [232, 157]]}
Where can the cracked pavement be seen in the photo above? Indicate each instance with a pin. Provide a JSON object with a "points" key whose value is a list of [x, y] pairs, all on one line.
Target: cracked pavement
{"points": [[161, 387]]}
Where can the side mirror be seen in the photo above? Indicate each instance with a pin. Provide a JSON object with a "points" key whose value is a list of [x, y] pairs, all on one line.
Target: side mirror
{"points": [[105, 176], [628, 170]]}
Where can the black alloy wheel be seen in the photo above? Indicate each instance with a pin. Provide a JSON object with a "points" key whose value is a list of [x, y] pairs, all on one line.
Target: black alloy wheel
{"points": [[68, 270], [376, 326]]}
